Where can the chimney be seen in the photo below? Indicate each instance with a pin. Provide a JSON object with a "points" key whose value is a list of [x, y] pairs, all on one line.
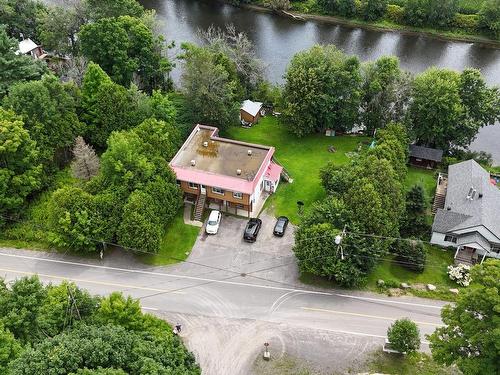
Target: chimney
{"points": [[249, 152], [238, 172], [193, 163]]}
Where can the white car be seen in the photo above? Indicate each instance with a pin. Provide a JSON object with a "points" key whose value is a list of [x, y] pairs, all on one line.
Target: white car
{"points": [[213, 222]]}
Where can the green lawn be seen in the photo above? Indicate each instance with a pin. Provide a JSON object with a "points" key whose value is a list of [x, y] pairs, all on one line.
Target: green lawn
{"points": [[413, 364], [177, 243], [435, 272], [424, 177], [302, 157]]}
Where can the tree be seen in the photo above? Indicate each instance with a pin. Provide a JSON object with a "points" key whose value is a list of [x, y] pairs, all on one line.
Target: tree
{"points": [[386, 92], [415, 200], [124, 47], [16, 68], [9, 348], [122, 311], [337, 179], [489, 17], [19, 308], [20, 17], [410, 254], [63, 307], [96, 347], [49, 110], [20, 170], [448, 108], [373, 9], [160, 137], [322, 90], [404, 336], [241, 51], [114, 8], [210, 84], [58, 27], [86, 163], [471, 333], [140, 227], [430, 12], [278, 4]]}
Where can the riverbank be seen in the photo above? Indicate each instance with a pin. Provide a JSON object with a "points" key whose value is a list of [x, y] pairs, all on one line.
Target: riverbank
{"points": [[377, 26]]}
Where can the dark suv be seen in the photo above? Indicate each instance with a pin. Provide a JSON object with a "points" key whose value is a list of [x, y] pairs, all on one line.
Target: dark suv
{"points": [[252, 230]]}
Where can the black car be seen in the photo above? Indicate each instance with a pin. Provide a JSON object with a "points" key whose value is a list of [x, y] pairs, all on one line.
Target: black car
{"points": [[280, 226], [252, 230]]}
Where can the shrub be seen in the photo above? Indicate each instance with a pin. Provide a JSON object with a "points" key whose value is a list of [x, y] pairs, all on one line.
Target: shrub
{"points": [[460, 274], [373, 9], [404, 336], [395, 13], [411, 255], [469, 22]]}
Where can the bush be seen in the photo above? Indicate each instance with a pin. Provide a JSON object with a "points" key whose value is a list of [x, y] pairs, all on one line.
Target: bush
{"points": [[373, 9], [404, 336], [469, 22], [395, 13], [411, 255], [460, 274]]}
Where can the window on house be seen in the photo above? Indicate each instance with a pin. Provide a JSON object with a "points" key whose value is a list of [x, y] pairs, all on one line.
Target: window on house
{"points": [[217, 191], [262, 185], [238, 195], [495, 249], [192, 185], [449, 238]]}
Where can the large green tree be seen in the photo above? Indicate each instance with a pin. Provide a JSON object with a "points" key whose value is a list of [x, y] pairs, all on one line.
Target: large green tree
{"points": [[114, 8], [125, 47], [20, 170], [430, 12], [385, 93], [448, 108], [322, 90], [373, 9], [20, 17], [9, 348], [16, 68], [471, 335], [210, 85], [49, 110], [489, 17]]}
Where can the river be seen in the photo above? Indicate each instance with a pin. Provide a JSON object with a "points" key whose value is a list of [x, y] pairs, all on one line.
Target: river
{"points": [[277, 39]]}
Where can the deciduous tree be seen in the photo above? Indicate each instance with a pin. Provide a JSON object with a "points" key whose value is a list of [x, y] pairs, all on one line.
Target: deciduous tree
{"points": [[471, 333], [373, 9], [404, 336], [114, 8], [489, 17], [20, 169], [322, 90]]}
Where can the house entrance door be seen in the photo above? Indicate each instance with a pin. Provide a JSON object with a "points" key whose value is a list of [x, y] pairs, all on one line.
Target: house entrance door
{"points": [[203, 190]]}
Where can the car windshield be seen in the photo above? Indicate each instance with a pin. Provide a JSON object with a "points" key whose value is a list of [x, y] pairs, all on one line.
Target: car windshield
{"points": [[250, 226], [212, 222]]}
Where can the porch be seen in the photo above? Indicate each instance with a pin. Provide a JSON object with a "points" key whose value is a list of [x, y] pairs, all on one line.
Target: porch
{"points": [[468, 256]]}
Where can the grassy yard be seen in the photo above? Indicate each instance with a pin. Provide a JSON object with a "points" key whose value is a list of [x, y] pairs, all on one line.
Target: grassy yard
{"points": [[302, 157], [424, 177], [414, 364], [176, 245]]}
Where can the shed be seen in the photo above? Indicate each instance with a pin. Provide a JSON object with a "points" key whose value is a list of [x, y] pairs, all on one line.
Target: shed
{"points": [[250, 112], [425, 157], [28, 47]]}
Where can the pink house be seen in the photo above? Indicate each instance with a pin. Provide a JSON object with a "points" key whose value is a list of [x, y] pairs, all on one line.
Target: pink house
{"points": [[225, 174]]}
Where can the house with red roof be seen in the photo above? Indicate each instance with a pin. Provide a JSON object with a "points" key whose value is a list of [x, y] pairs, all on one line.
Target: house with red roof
{"points": [[225, 174]]}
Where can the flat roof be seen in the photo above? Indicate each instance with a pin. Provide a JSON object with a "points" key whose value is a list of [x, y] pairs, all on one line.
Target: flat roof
{"points": [[220, 156]]}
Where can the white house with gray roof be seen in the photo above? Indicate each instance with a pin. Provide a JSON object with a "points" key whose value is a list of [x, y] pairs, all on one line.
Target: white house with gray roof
{"points": [[470, 217]]}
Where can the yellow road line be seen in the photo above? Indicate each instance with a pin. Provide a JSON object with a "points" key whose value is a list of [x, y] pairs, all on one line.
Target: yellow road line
{"points": [[92, 281], [363, 315]]}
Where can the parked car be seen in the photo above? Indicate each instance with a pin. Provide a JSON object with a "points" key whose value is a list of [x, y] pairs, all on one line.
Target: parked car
{"points": [[280, 226], [213, 222], [252, 230]]}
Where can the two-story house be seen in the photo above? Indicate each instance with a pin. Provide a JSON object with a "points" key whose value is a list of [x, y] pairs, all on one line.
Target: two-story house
{"points": [[469, 216], [225, 174]]}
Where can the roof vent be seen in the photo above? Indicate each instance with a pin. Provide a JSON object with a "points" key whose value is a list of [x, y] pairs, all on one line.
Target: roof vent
{"points": [[249, 152], [480, 195], [448, 208], [238, 172], [205, 144], [193, 163]]}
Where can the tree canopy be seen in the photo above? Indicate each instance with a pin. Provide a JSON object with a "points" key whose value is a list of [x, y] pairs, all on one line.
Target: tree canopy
{"points": [[322, 91], [471, 333]]}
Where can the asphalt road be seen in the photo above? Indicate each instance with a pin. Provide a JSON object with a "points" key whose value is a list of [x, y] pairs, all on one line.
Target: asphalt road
{"points": [[208, 291]]}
